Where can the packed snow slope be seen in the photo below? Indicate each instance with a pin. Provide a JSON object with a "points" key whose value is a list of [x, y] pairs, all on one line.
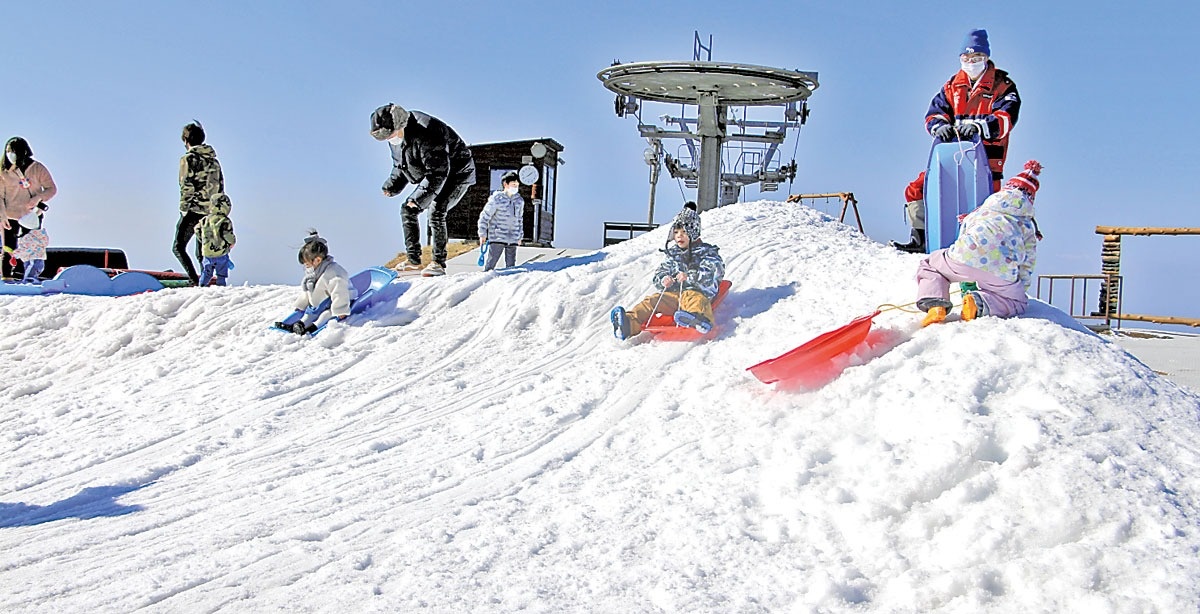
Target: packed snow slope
{"points": [[485, 445]]}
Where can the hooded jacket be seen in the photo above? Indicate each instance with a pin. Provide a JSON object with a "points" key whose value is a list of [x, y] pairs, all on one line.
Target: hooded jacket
{"points": [[200, 178], [21, 191], [215, 230], [999, 237], [333, 283], [431, 156], [503, 218], [702, 262]]}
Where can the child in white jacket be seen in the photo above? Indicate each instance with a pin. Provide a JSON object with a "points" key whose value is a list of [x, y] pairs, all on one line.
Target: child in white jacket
{"points": [[502, 222], [323, 279]]}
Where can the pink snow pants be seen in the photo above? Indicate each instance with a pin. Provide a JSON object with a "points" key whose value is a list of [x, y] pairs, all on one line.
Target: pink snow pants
{"points": [[936, 272]]}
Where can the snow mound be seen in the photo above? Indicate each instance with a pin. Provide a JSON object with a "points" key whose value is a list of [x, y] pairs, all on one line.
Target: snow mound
{"points": [[484, 445]]}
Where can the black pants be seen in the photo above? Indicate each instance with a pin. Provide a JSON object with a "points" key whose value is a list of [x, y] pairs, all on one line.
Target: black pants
{"points": [[10, 243], [442, 203], [184, 231]]}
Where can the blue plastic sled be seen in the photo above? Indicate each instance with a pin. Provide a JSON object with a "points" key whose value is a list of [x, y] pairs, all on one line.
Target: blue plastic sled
{"points": [[88, 280], [957, 181], [374, 285]]}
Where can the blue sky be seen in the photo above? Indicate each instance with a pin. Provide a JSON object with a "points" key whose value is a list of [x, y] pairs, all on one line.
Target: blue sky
{"points": [[285, 90]]}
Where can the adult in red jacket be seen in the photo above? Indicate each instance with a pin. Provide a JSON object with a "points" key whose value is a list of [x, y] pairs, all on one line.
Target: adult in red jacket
{"points": [[979, 101]]}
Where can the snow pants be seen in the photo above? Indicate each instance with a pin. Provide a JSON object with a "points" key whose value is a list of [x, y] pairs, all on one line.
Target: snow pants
{"points": [[1001, 298], [33, 270], [216, 266], [670, 302], [493, 255]]}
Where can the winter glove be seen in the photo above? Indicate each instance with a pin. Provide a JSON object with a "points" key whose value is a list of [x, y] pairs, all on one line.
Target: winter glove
{"points": [[942, 132], [667, 281], [968, 129]]}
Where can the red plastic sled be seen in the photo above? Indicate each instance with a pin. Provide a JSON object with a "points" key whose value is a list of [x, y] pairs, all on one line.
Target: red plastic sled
{"points": [[662, 325], [814, 354]]}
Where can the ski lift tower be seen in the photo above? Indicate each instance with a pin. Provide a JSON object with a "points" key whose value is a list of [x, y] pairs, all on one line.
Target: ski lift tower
{"points": [[713, 87]]}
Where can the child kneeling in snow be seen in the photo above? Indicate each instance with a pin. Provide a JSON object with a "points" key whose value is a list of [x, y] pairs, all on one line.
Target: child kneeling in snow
{"points": [[996, 248], [323, 279], [688, 281]]}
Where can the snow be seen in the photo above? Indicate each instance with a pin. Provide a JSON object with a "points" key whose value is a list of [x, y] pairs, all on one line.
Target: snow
{"points": [[485, 445]]}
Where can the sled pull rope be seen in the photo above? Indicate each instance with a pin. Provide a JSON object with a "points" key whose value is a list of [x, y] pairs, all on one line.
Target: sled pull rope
{"points": [[906, 307]]}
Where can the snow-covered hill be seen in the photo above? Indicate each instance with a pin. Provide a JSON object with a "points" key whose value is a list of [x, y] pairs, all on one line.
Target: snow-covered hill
{"points": [[486, 446]]}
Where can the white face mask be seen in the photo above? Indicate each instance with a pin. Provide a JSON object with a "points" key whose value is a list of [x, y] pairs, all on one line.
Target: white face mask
{"points": [[12, 157], [511, 190], [973, 69], [396, 140]]}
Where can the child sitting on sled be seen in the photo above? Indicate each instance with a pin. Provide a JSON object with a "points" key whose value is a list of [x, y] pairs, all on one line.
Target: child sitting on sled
{"points": [[688, 281], [996, 248], [323, 279]]}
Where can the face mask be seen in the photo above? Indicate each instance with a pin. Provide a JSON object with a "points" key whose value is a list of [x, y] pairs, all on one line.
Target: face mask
{"points": [[511, 191], [12, 157], [974, 69], [396, 140]]}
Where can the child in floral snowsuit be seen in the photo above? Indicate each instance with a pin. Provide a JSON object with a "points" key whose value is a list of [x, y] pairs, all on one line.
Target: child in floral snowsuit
{"points": [[31, 246], [996, 248], [688, 281]]}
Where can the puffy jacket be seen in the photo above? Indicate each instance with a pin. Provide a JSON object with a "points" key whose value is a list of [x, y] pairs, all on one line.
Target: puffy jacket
{"points": [[200, 178], [333, 283], [503, 218], [215, 230], [993, 102], [32, 245], [702, 263], [431, 156], [999, 237], [21, 191]]}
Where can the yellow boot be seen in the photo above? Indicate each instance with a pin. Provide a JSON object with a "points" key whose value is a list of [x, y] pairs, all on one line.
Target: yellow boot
{"points": [[970, 309], [935, 315]]}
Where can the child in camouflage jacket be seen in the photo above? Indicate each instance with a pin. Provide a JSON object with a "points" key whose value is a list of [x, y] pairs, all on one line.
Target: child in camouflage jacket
{"points": [[215, 234]]}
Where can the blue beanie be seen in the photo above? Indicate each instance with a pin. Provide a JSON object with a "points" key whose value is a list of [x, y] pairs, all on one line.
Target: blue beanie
{"points": [[976, 42]]}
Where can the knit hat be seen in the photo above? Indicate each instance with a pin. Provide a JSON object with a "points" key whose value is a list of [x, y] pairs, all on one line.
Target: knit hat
{"points": [[976, 42], [387, 119], [689, 221], [1027, 180]]}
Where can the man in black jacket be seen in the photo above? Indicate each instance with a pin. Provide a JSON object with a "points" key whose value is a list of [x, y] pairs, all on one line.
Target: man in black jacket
{"points": [[430, 155]]}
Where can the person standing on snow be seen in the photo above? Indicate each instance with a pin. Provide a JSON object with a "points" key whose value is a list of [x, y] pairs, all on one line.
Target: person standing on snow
{"points": [[200, 179], [996, 248], [24, 184], [979, 101], [688, 280], [502, 222], [216, 238], [430, 155]]}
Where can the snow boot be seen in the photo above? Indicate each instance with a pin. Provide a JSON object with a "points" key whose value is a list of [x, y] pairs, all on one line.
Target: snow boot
{"points": [[915, 245], [688, 319], [435, 269], [973, 306], [935, 315], [620, 322]]}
